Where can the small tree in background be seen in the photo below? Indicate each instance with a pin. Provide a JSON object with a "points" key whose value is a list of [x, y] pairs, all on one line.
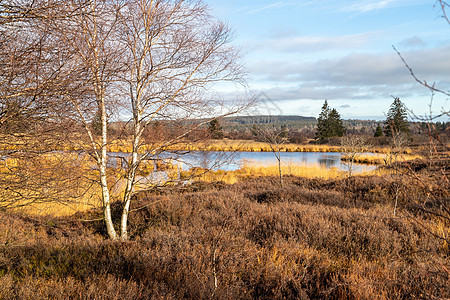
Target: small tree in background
{"points": [[378, 131], [396, 120], [329, 123], [352, 147], [322, 122]]}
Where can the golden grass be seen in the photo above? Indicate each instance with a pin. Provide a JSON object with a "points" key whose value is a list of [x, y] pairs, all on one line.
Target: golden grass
{"points": [[249, 171], [92, 198], [60, 209], [250, 146], [73, 197], [52, 183], [91, 195], [254, 146]]}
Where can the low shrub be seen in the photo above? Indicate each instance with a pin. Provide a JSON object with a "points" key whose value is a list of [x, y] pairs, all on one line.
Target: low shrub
{"points": [[311, 239]]}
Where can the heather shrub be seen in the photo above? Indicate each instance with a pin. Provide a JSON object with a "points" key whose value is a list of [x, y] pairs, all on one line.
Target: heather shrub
{"points": [[312, 239]]}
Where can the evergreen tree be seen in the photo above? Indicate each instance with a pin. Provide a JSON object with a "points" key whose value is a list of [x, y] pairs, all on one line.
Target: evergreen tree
{"points": [[329, 123], [335, 124], [378, 131], [396, 120], [322, 122]]}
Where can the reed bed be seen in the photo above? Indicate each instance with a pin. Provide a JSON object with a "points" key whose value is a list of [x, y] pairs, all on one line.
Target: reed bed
{"points": [[254, 171], [51, 183], [254, 146], [81, 192]]}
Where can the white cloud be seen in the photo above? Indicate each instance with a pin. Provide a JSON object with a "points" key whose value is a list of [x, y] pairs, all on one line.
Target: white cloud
{"points": [[365, 6], [355, 76], [256, 9], [360, 69], [372, 5], [267, 7], [313, 44]]}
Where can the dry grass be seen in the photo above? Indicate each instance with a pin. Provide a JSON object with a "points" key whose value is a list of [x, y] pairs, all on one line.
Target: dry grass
{"points": [[77, 142], [254, 146], [51, 183], [252, 171], [61, 184]]}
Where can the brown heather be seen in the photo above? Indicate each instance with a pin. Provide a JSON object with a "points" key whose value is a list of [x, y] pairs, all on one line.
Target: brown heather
{"points": [[312, 239]]}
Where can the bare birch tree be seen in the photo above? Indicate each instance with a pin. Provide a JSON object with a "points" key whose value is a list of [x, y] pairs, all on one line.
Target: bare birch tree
{"points": [[174, 51], [153, 60]]}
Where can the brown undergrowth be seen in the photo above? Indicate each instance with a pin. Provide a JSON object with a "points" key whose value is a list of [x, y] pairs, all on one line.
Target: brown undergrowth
{"points": [[312, 239]]}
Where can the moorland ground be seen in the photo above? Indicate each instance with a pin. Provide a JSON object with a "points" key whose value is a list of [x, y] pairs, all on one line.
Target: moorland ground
{"points": [[311, 239]]}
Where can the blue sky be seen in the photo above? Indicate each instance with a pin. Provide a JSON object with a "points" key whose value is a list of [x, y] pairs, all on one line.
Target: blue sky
{"points": [[302, 52]]}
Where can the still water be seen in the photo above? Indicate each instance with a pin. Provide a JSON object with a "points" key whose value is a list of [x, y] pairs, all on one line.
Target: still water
{"points": [[234, 160]]}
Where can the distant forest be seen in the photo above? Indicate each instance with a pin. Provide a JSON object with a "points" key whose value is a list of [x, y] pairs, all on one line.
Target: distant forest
{"points": [[291, 122]]}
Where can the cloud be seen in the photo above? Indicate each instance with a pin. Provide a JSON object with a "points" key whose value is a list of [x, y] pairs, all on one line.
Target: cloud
{"points": [[365, 6], [267, 7], [292, 44], [372, 5], [355, 76], [360, 69]]}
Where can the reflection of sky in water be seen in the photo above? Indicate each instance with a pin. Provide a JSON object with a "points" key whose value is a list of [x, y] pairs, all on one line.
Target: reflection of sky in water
{"points": [[229, 161], [239, 159]]}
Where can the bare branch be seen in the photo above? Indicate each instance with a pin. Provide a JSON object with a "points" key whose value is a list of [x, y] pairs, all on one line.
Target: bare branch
{"points": [[422, 82]]}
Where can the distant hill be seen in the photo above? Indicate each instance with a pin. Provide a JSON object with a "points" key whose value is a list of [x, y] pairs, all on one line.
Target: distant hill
{"points": [[292, 122], [243, 123]]}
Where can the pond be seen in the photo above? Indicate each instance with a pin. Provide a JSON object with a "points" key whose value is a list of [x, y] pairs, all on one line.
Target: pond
{"points": [[229, 161]]}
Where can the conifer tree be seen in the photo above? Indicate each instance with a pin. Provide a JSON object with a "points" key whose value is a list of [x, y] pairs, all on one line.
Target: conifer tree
{"points": [[329, 123], [322, 122], [335, 123], [378, 131], [396, 120]]}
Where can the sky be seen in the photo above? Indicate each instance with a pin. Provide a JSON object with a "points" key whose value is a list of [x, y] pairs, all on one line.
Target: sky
{"points": [[299, 53]]}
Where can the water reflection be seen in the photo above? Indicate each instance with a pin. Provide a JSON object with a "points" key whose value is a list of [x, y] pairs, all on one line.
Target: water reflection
{"points": [[328, 161]]}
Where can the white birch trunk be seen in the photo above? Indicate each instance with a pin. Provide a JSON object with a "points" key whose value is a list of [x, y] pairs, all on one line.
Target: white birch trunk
{"points": [[103, 176], [133, 166]]}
